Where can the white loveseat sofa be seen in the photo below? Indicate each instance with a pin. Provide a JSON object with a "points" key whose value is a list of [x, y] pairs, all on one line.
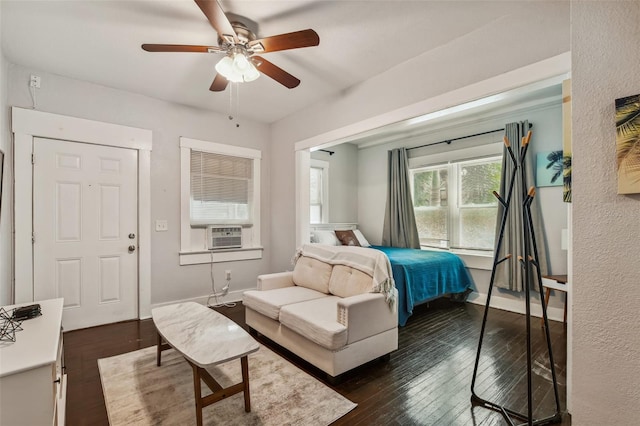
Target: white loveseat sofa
{"points": [[335, 309]]}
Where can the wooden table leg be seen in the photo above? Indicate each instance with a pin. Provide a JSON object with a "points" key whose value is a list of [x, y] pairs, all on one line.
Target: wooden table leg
{"points": [[161, 347], [159, 355], [245, 380], [198, 393]]}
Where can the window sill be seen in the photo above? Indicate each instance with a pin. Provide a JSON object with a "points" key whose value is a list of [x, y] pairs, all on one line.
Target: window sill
{"points": [[472, 259], [216, 256]]}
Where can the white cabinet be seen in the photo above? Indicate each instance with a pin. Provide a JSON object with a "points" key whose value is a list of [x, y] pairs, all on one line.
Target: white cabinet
{"points": [[32, 380]]}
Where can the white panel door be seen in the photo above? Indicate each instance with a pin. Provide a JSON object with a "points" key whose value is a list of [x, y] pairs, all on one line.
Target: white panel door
{"points": [[85, 230]]}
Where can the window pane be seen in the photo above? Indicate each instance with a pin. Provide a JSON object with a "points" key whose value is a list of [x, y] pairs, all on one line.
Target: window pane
{"points": [[220, 188], [478, 181], [315, 215], [432, 226], [477, 227], [430, 196], [478, 206], [315, 189], [430, 188]]}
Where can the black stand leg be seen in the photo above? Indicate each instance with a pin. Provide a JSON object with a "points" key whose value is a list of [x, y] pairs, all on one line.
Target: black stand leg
{"points": [[529, 264]]}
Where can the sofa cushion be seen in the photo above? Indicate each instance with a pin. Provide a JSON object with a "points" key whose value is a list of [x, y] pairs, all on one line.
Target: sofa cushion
{"points": [[317, 320], [312, 273], [346, 281], [269, 302]]}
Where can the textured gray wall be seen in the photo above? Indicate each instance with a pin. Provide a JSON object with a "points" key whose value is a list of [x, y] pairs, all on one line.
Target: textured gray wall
{"points": [[606, 226]]}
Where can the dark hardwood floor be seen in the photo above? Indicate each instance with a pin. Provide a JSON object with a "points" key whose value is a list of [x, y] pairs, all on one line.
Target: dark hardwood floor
{"points": [[426, 381]]}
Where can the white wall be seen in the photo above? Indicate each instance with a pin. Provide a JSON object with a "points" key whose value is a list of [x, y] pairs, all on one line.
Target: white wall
{"points": [[168, 121], [547, 136], [606, 226], [343, 182], [464, 61], [7, 191]]}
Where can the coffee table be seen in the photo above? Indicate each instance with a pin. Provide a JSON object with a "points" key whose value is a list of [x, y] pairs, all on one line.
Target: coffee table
{"points": [[205, 338]]}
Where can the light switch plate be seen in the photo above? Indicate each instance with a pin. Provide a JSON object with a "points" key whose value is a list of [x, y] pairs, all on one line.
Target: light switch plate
{"points": [[161, 225]]}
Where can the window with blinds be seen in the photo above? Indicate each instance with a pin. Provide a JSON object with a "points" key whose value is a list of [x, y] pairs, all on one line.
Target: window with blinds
{"points": [[221, 189]]}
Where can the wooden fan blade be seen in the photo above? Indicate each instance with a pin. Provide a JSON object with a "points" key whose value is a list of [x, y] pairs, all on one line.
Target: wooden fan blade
{"points": [[219, 84], [180, 48], [275, 72], [295, 40], [214, 13]]}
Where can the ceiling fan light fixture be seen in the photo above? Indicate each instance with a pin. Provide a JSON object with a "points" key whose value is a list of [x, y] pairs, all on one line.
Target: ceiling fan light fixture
{"points": [[240, 45], [225, 67], [251, 74], [240, 63], [237, 68]]}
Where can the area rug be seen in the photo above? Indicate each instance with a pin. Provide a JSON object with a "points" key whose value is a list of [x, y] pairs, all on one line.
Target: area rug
{"points": [[137, 392]]}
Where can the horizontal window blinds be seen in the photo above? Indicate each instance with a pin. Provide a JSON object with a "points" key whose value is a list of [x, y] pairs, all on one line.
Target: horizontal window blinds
{"points": [[220, 188]]}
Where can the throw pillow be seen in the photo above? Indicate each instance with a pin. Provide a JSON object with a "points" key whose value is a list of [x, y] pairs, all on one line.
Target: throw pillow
{"points": [[361, 239], [347, 238], [327, 238]]}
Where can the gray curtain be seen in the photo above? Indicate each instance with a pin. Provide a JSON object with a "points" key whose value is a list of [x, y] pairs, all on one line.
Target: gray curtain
{"points": [[509, 273], [400, 228]]}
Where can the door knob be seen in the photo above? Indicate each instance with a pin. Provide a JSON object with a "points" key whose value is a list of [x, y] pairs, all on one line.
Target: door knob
{"points": [[132, 236], [132, 249]]}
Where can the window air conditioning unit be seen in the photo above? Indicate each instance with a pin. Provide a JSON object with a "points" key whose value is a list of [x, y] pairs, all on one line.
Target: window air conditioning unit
{"points": [[224, 237]]}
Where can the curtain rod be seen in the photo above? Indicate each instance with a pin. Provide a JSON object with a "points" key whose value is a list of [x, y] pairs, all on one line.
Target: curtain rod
{"points": [[448, 141]]}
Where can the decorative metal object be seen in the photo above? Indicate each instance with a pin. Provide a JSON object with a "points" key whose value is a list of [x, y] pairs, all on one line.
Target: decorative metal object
{"points": [[530, 267], [8, 326]]}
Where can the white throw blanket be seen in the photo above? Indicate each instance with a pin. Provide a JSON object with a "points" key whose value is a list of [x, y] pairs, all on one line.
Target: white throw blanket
{"points": [[370, 261]]}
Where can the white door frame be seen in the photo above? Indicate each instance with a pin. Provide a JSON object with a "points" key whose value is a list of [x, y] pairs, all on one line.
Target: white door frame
{"points": [[27, 124]]}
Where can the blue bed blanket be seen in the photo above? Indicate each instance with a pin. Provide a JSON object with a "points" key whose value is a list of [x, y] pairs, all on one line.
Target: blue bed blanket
{"points": [[423, 275]]}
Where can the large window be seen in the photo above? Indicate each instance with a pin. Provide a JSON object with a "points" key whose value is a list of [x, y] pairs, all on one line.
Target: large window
{"points": [[454, 204]]}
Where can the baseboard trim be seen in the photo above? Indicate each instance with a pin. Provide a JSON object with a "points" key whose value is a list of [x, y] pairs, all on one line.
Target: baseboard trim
{"points": [[231, 297], [517, 306], [497, 302]]}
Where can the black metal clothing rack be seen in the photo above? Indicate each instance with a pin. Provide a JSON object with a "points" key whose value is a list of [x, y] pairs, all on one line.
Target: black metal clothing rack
{"points": [[530, 267]]}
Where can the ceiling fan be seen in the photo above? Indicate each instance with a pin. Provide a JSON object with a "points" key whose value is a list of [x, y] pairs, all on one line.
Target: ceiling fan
{"points": [[240, 47]]}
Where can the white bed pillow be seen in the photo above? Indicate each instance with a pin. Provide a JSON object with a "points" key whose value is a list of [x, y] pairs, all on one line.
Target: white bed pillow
{"points": [[361, 239], [325, 237]]}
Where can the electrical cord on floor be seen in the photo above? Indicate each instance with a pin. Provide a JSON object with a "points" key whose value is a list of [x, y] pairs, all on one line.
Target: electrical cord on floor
{"points": [[215, 294]]}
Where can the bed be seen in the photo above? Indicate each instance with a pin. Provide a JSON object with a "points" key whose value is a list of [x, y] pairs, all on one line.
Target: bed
{"points": [[424, 275], [420, 275]]}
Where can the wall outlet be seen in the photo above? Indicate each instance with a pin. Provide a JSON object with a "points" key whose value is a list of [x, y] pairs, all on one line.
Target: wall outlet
{"points": [[35, 81], [227, 274], [162, 225]]}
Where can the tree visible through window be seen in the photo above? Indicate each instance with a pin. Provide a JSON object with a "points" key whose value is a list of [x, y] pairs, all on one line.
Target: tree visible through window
{"points": [[430, 201], [454, 204]]}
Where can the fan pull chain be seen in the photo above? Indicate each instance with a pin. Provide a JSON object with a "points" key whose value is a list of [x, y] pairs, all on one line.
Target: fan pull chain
{"points": [[237, 104], [234, 93], [231, 101]]}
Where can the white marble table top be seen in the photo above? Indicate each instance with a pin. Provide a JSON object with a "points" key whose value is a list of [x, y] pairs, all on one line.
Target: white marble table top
{"points": [[202, 335]]}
